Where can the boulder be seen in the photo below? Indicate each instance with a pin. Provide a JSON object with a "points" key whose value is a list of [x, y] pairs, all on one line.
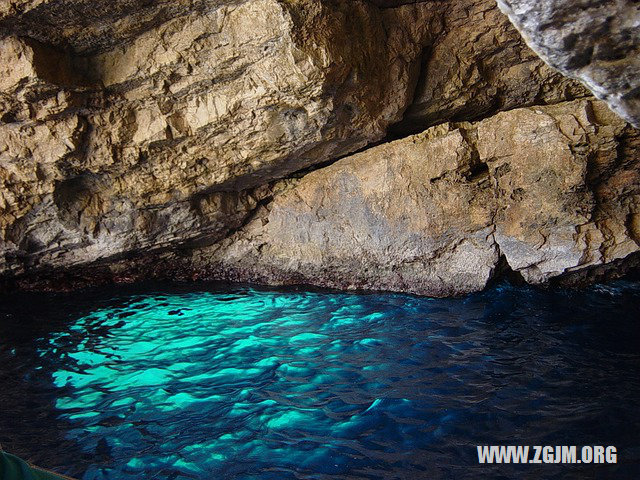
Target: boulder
{"points": [[544, 190]]}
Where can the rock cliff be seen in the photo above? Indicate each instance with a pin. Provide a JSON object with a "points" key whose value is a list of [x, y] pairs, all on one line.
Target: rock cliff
{"points": [[216, 139], [544, 189]]}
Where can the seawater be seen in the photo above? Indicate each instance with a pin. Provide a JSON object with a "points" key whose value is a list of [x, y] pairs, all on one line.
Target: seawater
{"points": [[234, 382]]}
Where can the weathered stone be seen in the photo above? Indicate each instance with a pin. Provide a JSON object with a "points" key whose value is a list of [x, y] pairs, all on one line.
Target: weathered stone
{"points": [[552, 167], [387, 218], [595, 41], [243, 95], [116, 151], [432, 213], [478, 65], [135, 133], [88, 26]]}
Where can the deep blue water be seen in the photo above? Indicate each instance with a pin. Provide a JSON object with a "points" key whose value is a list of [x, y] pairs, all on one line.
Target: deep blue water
{"points": [[231, 382]]}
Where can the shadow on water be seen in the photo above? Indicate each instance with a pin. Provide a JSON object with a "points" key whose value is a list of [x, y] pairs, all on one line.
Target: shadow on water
{"points": [[30, 424], [219, 381]]}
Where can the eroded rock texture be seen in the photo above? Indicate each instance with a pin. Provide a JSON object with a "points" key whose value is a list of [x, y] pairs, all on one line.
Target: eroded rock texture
{"points": [[477, 66], [595, 41], [87, 26], [158, 141], [184, 131], [552, 189]]}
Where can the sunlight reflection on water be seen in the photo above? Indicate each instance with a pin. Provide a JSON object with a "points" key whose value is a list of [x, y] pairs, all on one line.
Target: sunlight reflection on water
{"points": [[246, 383]]}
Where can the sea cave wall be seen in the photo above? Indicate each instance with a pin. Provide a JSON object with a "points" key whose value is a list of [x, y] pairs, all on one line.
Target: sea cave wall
{"points": [[417, 146]]}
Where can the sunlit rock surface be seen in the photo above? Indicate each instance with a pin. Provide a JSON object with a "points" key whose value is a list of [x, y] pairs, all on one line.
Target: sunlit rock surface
{"points": [[133, 133], [545, 187]]}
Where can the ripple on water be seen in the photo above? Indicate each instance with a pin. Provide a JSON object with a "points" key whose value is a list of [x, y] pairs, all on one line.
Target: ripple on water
{"points": [[245, 383]]}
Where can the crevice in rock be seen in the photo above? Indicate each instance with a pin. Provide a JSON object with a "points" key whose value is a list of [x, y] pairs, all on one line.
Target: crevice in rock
{"points": [[8, 117], [319, 166], [503, 272], [58, 66], [403, 128], [393, 132], [479, 171]]}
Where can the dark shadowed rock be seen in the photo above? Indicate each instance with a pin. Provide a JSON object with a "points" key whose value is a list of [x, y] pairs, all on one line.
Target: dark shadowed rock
{"points": [[478, 65]]}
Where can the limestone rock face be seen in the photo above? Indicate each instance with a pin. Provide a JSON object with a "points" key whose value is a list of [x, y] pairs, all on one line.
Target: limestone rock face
{"points": [[567, 186], [87, 26], [388, 218], [161, 140], [478, 65], [433, 213], [595, 41], [198, 133]]}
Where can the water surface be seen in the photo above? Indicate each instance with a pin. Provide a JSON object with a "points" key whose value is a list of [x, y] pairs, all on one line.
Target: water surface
{"points": [[233, 382]]}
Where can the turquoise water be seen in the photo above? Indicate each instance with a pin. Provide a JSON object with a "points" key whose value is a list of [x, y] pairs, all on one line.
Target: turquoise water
{"points": [[235, 382]]}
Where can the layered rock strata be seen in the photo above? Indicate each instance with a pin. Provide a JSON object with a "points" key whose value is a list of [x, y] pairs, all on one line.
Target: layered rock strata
{"points": [[550, 189], [175, 139], [159, 141]]}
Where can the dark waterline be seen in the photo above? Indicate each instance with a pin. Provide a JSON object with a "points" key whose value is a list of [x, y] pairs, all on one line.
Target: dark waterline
{"points": [[223, 382]]}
